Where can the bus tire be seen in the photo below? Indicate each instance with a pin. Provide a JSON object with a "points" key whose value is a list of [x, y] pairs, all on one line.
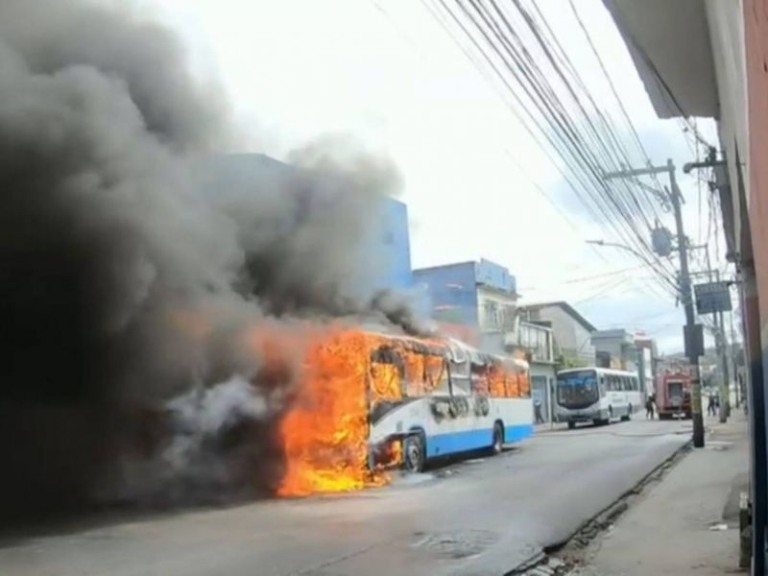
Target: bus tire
{"points": [[498, 438], [415, 452], [571, 425]]}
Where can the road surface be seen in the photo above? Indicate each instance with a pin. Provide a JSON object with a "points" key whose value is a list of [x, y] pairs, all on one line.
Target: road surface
{"points": [[468, 518]]}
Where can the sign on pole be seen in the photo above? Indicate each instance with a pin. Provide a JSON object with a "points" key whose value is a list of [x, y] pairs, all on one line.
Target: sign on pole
{"points": [[712, 297]]}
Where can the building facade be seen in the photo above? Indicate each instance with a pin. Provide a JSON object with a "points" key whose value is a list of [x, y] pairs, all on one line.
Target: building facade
{"points": [[388, 251], [623, 350], [572, 333], [717, 69], [392, 246], [480, 294], [478, 302], [616, 349]]}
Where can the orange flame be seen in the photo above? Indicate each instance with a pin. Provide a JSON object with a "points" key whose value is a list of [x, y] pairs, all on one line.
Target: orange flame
{"points": [[338, 380], [325, 435]]}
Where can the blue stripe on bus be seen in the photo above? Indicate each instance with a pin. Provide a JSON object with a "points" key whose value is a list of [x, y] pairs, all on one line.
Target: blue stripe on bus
{"points": [[455, 442]]}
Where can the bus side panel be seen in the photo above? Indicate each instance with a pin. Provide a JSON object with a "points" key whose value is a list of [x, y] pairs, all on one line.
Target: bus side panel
{"points": [[517, 416], [635, 400], [461, 424], [473, 431], [465, 430]]}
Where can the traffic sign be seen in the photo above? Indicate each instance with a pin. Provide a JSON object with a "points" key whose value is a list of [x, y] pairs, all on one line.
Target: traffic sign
{"points": [[712, 297]]}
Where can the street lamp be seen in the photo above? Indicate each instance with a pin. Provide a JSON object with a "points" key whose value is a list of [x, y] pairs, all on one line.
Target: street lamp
{"points": [[620, 247]]}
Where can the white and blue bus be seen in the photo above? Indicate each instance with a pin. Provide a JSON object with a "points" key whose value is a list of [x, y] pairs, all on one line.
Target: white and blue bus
{"points": [[473, 401], [597, 395]]}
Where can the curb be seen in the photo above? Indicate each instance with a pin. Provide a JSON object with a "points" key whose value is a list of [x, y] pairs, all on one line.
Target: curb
{"points": [[545, 563]]}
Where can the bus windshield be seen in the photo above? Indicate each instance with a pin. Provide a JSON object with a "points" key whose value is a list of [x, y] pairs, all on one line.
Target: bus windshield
{"points": [[577, 389]]}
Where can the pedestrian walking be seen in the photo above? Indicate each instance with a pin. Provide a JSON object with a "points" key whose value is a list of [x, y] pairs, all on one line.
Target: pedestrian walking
{"points": [[712, 405], [650, 406], [537, 410]]}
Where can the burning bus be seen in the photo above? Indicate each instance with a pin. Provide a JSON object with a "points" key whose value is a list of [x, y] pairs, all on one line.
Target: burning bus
{"points": [[673, 394], [371, 401]]}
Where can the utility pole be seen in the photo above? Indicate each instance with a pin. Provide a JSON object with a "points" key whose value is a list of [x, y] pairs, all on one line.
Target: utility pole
{"points": [[721, 346], [725, 387], [692, 331], [734, 364]]}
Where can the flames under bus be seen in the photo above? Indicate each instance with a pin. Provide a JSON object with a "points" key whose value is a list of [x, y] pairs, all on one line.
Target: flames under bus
{"points": [[453, 399], [597, 395]]}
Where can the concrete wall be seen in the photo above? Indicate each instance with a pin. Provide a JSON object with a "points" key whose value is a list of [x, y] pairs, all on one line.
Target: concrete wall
{"points": [[571, 338], [496, 310], [620, 345], [451, 292], [480, 294], [756, 42], [392, 247], [495, 276], [726, 28], [388, 235]]}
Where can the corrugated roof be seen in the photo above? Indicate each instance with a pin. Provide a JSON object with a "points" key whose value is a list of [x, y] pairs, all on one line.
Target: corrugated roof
{"points": [[565, 306]]}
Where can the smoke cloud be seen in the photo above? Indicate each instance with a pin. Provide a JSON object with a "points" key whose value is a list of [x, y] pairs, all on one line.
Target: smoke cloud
{"points": [[133, 259]]}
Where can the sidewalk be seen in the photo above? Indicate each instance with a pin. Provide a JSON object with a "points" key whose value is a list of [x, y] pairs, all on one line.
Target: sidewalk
{"points": [[669, 530], [550, 427]]}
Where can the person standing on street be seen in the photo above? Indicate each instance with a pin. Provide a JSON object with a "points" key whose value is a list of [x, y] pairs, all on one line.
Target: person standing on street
{"points": [[537, 410], [712, 405], [650, 406]]}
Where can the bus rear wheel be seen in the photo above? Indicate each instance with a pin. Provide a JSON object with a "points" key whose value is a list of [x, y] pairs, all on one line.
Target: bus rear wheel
{"points": [[498, 438], [415, 452]]}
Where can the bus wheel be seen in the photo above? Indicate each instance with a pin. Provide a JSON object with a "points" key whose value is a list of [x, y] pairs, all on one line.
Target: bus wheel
{"points": [[498, 438], [414, 452], [571, 425]]}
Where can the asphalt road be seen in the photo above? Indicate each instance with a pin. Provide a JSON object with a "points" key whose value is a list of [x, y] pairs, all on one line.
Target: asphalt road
{"points": [[468, 518]]}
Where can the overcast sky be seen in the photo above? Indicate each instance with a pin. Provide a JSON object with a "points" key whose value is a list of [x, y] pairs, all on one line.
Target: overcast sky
{"points": [[476, 183]]}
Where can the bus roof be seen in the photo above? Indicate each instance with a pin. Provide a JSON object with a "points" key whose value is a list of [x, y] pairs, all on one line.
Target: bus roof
{"points": [[599, 371], [451, 349]]}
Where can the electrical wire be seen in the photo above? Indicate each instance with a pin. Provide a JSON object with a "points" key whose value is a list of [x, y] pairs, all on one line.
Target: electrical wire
{"points": [[548, 114]]}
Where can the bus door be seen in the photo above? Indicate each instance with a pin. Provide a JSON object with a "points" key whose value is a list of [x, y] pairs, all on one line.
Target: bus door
{"points": [[602, 385]]}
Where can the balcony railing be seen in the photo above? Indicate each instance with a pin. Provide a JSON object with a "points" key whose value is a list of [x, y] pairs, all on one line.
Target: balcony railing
{"points": [[535, 339]]}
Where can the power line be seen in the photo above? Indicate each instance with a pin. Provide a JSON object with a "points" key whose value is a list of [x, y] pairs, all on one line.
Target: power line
{"points": [[580, 159]]}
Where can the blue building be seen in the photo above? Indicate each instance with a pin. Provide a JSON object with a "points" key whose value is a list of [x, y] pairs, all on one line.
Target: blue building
{"points": [[390, 249], [393, 245], [477, 294]]}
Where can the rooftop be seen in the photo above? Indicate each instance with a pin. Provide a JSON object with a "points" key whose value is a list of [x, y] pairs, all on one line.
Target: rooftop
{"points": [[570, 310]]}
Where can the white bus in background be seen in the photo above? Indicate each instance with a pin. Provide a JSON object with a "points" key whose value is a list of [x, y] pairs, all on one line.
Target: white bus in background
{"points": [[597, 395]]}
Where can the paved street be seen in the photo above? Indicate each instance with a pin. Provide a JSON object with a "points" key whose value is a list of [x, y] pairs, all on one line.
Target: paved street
{"points": [[473, 517]]}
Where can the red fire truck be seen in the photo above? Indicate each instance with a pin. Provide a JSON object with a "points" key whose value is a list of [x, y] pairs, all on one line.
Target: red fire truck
{"points": [[673, 394]]}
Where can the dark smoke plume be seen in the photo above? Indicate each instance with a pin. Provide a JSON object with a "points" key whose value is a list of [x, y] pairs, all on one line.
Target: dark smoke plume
{"points": [[128, 274]]}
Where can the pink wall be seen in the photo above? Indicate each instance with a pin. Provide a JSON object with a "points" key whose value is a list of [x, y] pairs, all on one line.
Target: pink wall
{"points": [[756, 44]]}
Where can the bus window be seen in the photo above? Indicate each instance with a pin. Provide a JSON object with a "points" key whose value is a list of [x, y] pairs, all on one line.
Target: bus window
{"points": [[577, 390], [386, 383], [496, 381], [435, 375]]}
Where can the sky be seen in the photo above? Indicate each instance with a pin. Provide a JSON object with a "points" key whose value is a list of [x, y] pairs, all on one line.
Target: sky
{"points": [[477, 185]]}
